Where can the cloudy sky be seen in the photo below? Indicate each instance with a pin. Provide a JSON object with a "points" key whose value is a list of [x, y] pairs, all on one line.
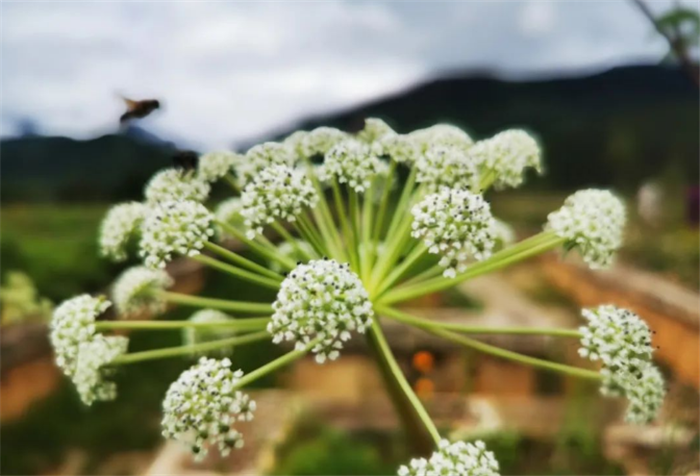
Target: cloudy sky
{"points": [[229, 71]]}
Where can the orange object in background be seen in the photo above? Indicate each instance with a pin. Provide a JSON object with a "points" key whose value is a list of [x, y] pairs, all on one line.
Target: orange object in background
{"points": [[423, 361], [424, 387]]}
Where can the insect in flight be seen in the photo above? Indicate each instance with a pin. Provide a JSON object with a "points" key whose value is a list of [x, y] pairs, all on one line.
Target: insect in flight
{"points": [[138, 109]]}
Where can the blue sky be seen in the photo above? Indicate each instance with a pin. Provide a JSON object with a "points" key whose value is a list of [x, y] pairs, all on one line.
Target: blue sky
{"points": [[230, 71]]}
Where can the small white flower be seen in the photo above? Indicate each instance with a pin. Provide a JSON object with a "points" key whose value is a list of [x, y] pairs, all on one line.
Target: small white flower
{"points": [[176, 184], [215, 165], [456, 224], [401, 148], [173, 228], [294, 142], [321, 299], [454, 459], [320, 140], [352, 162], [374, 130], [645, 395], [261, 157], [119, 226], [136, 291], [441, 135], [277, 193], [506, 155], [202, 407], [198, 335], [444, 166], [92, 371], [288, 250], [592, 221], [72, 324]]}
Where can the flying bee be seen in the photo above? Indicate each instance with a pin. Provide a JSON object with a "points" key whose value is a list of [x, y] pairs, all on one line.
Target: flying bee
{"points": [[186, 160], [138, 109]]}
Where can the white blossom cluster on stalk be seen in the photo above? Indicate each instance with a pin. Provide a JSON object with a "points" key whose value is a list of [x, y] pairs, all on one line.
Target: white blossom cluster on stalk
{"points": [[262, 156], [174, 228], [176, 184], [441, 135], [277, 193], [213, 166], [136, 291], [374, 130], [324, 300], [621, 341], [119, 227], [201, 408], [592, 221], [454, 459], [457, 225], [506, 156], [446, 166], [319, 141], [92, 371], [194, 335], [401, 148], [352, 162]]}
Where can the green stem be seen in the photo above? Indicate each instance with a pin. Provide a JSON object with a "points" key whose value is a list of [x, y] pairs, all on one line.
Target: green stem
{"points": [[232, 183], [384, 201], [324, 218], [236, 258], [247, 324], [493, 350], [189, 349], [391, 254], [355, 226], [401, 212], [291, 240], [257, 247], [487, 179], [221, 304], [238, 272], [308, 236], [405, 266], [344, 223], [422, 434]]}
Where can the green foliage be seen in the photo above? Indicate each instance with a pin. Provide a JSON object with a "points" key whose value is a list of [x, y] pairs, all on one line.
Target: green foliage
{"points": [[20, 300]]}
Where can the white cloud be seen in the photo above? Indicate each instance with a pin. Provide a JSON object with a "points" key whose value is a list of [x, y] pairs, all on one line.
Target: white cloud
{"points": [[229, 71]]}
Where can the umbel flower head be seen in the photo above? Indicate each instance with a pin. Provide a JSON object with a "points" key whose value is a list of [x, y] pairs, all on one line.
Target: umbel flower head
{"points": [[91, 371], [177, 227], [399, 147], [324, 300], [136, 291], [277, 193], [215, 165], [592, 221], [261, 157], [441, 135], [374, 130], [454, 459], [445, 166], [506, 156], [456, 224], [616, 337], [203, 405], [193, 335], [176, 184], [352, 162], [119, 226], [320, 140], [645, 394], [72, 324]]}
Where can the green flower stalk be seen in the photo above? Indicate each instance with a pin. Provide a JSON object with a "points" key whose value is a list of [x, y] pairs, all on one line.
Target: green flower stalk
{"points": [[356, 241]]}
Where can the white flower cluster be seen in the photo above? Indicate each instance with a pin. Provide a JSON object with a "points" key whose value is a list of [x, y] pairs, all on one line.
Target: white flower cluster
{"points": [[454, 459], [81, 353], [119, 226], [456, 224], [506, 156], [374, 130], [91, 371], [352, 162], [621, 341], [136, 291], [399, 147], [178, 227], [441, 135], [203, 405], [194, 335], [320, 140], [73, 323], [215, 165], [321, 299], [261, 157], [445, 166], [592, 221], [277, 193], [176, 184]]}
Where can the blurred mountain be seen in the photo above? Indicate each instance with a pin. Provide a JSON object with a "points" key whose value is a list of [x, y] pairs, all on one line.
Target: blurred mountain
{"points": [[618, 128]]}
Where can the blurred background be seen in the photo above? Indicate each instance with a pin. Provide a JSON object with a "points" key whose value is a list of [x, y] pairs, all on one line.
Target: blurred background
{"points": [[609, 88]]}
